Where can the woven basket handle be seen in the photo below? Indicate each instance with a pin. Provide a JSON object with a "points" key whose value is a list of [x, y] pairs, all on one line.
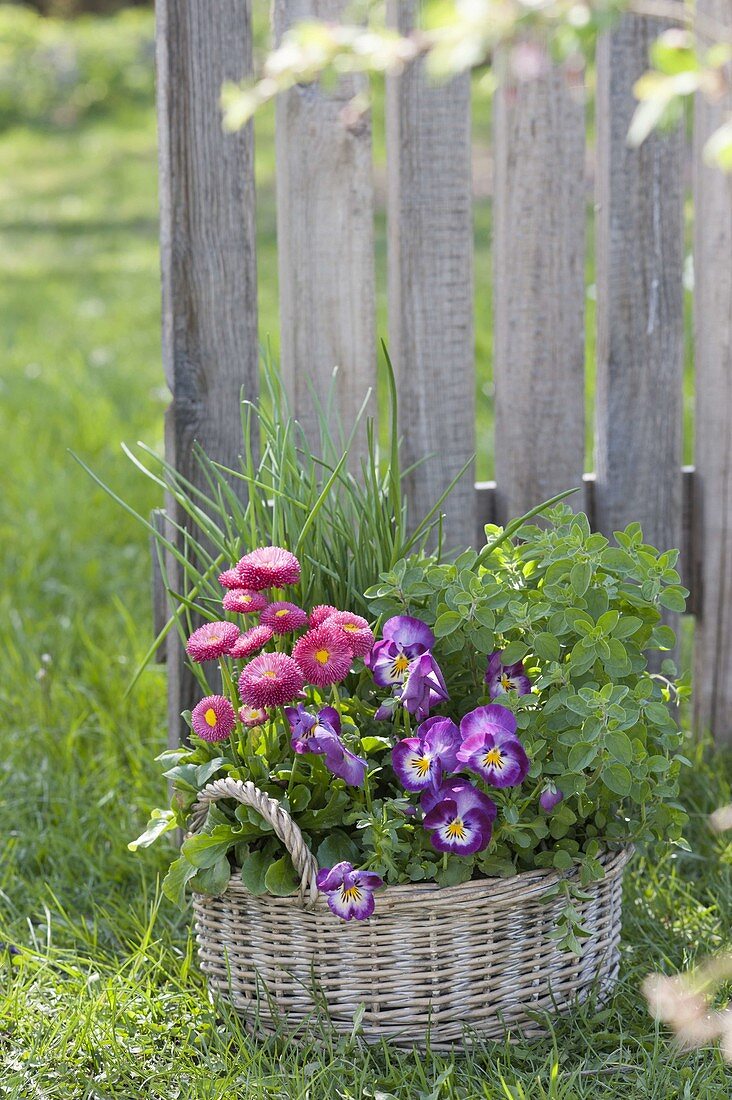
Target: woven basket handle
{"points": [[275, 815]]}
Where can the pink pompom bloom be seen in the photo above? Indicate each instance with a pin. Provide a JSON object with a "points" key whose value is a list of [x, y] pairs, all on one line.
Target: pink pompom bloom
{"points": [[283, 617], [320, 613], [252, 716], [250, 642], [357, 631], [230, 578], [323, 655], [268, 567], [211, 641], [270, 680], [213, 718], [244, 600]]}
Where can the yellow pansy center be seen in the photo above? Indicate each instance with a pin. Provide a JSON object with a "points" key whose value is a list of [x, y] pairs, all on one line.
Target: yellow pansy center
{"points": [[493, 758], [421, 765], [210, 717], [506, 682], [401, 664], [456, 830], [322, 656], [350, 893]]}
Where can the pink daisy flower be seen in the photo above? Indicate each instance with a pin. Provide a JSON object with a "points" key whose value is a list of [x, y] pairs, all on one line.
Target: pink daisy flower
{"points": [[323, 655], [283, 617], [268, 567], [213, 718], [230, 578], [250, 642], [244, 600], [211, 640], [270, 680], [357, 631], [320, 613], [252, 716]]}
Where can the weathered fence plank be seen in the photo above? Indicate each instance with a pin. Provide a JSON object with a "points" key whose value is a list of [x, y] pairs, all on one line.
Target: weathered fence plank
{"points": [[539, 291], [210, 347], [430, 280], [713, 346], [640, 343], [325, 238]]}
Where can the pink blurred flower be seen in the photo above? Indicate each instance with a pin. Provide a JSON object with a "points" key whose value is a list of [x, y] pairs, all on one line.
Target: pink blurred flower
{"points": [[250, 642], [283, 617], [323, 655], [244, 600], [252, 716], [268, 567], [211, 640], [320, 613], [213, 718], [357, 632], [230, 578], [270, 680]]}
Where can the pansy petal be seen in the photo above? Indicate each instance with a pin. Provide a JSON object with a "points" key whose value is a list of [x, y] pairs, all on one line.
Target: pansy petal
{"points": [[353, 903], [490, 719], [332, 717], [331, 878], [411, 635]]}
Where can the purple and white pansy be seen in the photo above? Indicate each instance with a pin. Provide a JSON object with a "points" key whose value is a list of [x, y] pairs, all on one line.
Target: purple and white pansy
{"points": [[421, 761], [502, 678], [321, 734], [350, 893], [491, 747], [459, 817], [403, 639]]}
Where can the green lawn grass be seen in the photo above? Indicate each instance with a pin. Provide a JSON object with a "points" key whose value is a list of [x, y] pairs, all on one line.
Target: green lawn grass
{"points": [[105, 1001]]}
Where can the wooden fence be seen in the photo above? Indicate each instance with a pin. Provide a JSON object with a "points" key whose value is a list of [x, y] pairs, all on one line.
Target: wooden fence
{"points": [[325, 205]]}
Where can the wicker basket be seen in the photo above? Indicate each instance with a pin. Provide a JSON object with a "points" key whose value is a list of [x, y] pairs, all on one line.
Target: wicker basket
{"points": [[432, 964]]}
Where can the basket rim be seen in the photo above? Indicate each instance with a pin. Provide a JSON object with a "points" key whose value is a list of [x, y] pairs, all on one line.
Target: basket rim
{"points": [[497, 891]]}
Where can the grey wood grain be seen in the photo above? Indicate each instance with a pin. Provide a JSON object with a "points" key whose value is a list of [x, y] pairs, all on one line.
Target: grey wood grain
{"points": [[207, 245], [713, 444], [430, 281], [325, 239], [640, 344], [160, 610], [539, 292]]}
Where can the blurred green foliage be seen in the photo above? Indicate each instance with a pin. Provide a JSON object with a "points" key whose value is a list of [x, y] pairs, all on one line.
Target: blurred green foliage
{"points": [[55, 72]]}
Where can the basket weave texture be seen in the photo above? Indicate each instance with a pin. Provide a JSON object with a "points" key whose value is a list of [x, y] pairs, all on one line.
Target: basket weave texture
{"points": [[432, 965]]}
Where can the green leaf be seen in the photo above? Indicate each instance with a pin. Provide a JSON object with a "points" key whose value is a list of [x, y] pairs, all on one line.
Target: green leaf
{"points": [[372, 745], [205, 849], [205, 771], [336, 847], [161, 821], [515, 651], [627, 625], [212, 880], [562, 860], [618, 779], [580, 576], [547, 646], [280, 878], [619, 746], [581, 755], [179, 874], [253, 871], [446, 623], [299, 797], [673, 598]]}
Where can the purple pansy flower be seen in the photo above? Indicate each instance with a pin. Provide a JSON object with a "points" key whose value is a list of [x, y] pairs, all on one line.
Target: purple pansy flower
{"points": [[459, 816], [403, 639], [550, 797], [424, 687], [350, 892], [491, 746], [420, 761], [321, 734], [502, 678]]}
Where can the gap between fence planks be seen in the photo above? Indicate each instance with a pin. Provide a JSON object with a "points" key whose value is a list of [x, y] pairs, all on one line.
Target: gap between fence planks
{"points": [[207, 243], [430, 282], [539, 291], [713, 347], [325, 240]]}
